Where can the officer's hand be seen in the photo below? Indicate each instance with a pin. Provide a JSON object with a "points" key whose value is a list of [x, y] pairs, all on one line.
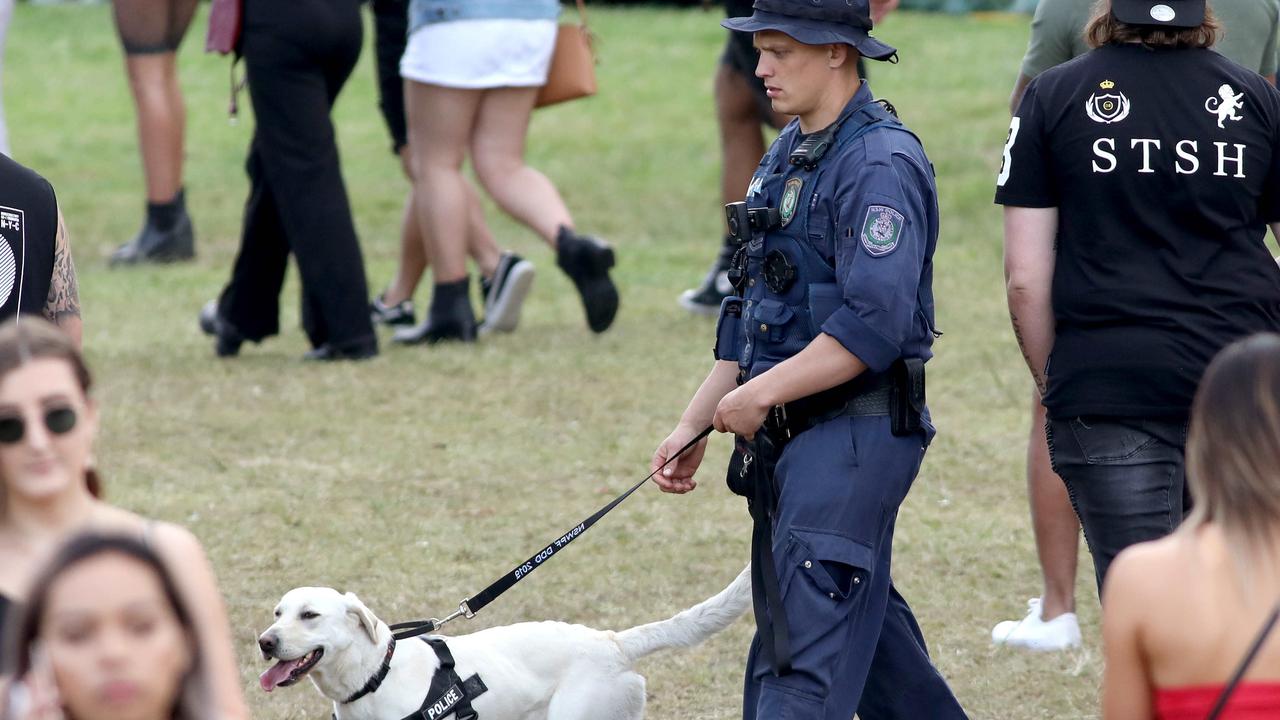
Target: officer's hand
{"points": [[678, 476], [740, 412]]}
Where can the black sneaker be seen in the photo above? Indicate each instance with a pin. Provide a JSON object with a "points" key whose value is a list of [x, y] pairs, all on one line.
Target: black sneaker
{"points": [[586, 260], [504, 294], [399, 314], [705, 299], [153, 245], [228, 338]]}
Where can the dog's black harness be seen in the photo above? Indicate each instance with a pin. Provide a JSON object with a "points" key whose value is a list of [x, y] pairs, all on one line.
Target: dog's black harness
{"points": [[449, 693]]}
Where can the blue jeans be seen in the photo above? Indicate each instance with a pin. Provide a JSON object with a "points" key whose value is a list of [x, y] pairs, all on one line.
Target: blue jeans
{"points": [[1125, 478]]}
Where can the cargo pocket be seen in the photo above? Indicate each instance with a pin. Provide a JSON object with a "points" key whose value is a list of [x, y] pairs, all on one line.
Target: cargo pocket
{"points": [[824, 577], [770, 321]]}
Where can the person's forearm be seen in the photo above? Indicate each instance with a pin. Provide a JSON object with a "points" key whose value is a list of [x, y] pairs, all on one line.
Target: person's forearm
{"points": [[821, 365], [1031, 313], [722, 379]]}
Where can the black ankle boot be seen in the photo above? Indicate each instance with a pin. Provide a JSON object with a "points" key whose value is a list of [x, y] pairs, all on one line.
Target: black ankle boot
{"points": [[450, 317], [586, 260], [167, 235]]}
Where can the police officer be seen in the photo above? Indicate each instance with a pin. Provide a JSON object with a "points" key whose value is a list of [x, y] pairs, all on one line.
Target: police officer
{"points": [[819, 372]]}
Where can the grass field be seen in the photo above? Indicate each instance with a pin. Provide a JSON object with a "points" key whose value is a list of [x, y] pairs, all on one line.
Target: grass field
{"points": [[417, 478]]}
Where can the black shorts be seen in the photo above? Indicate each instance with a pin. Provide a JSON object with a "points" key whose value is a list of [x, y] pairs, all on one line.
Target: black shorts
{"points": [[740, 55]]}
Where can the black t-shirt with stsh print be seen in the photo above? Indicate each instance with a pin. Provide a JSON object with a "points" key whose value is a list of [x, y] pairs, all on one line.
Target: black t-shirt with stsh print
{"points": [[1164, 165]]}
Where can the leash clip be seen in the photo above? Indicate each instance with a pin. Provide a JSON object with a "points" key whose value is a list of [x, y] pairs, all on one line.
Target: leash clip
{"points": [[462, 611]]}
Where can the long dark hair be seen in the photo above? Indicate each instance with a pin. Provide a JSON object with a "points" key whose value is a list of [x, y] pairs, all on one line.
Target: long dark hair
{"points": [[1233, 449], [77, 550], [35, 339]]}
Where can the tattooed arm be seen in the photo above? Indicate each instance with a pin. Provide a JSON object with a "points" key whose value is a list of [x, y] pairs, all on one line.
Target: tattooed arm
{"points": [[1029, 235], [62, 308]]}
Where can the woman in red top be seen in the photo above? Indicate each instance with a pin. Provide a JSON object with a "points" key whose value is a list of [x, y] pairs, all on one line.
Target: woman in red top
{"points": [[1181, 613]]}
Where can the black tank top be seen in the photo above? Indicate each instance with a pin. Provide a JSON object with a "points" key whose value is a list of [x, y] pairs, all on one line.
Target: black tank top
{"points": [[28, 227]]}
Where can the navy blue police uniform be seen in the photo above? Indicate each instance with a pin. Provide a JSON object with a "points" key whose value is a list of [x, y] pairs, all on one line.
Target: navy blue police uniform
{"points": [[841, 244]]}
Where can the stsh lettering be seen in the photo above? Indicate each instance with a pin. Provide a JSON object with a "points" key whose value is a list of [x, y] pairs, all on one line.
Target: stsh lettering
{"points": [[1145, 153], [445, 704]]}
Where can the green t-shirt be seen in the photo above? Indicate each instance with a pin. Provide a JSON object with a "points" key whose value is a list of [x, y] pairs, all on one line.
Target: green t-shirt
{"points": [[1248, 36]]}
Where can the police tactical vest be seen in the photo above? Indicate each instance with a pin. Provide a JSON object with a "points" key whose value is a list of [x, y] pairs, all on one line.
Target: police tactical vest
{"points": [[789, 288], [28, 226]]}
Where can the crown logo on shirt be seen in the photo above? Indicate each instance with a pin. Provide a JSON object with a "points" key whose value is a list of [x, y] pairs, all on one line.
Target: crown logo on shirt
{"points": [[1106, 84]]}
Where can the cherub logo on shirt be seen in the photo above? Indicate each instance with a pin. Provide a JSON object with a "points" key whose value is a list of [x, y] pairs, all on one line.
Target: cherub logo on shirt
{"points": [[881, 230], [10, 234], [1107, 107], [1225, 105]]}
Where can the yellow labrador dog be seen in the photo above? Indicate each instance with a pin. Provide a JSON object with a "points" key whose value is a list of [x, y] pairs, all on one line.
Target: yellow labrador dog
{"points": [[530, 671]]}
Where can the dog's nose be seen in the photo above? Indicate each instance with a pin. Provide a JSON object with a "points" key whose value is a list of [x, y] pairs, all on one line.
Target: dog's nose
{"points": [[268, 645]]}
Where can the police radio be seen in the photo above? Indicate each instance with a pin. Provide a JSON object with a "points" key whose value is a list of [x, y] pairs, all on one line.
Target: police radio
{"points": [[811, 150]]}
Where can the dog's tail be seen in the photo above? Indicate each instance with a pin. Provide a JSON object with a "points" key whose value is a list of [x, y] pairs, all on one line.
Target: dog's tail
{"points": [[691, 626]]}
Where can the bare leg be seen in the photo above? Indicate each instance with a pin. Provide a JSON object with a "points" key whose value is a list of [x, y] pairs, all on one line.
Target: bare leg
{"points": [[1054, 521], [440, 130], [497, 152], [162, 116], [741, 136], [413, 257], [481, 246], [415, 246]]}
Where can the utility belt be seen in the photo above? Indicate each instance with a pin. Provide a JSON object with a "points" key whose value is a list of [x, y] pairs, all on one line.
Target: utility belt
{"points": [[899, 393]]}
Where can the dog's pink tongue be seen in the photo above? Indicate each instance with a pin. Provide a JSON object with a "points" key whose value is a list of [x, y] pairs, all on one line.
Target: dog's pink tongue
{"points": [[278, 673]]}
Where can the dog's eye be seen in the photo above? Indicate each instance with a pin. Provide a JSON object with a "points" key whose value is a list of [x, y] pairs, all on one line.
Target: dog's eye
{"points": [[310, 615]]}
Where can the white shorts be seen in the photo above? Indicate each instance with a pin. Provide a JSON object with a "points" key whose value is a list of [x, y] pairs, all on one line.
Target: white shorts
{"points": [[480, 53]]}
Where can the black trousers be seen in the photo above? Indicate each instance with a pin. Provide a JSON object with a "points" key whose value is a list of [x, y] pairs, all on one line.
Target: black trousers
{"points": [[298, 55]]}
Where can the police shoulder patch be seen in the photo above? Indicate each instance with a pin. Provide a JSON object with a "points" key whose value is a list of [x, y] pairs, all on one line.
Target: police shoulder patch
{"points": [[790, 199], [881, 230]]}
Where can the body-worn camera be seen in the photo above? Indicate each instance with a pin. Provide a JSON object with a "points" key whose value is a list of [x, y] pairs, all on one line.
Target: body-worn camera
{"points": [[742, 220]]}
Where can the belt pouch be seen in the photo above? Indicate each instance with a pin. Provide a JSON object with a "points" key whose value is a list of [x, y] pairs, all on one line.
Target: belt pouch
{"points": [[907, 397], [729, 329]]}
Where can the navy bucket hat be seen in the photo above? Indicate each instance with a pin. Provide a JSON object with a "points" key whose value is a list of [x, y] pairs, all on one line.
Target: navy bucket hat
{"points": [[817, 22]]}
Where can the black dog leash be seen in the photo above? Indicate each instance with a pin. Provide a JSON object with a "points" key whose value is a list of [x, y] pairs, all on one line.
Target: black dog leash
{"points": [[474, 604]]}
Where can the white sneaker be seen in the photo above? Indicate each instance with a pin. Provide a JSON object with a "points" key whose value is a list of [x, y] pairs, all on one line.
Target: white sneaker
{"points": [[1032, 633]]}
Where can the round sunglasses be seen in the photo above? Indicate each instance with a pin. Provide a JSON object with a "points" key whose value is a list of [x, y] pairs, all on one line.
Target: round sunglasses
{"points": [[58, 421]]}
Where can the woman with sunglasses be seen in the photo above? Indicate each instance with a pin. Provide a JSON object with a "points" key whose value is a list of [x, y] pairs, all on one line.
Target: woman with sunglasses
{"points": [[50, 492]]}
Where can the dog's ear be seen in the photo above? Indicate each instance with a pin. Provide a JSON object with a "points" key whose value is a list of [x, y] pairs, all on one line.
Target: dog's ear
{"points": [[363, 615]]}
